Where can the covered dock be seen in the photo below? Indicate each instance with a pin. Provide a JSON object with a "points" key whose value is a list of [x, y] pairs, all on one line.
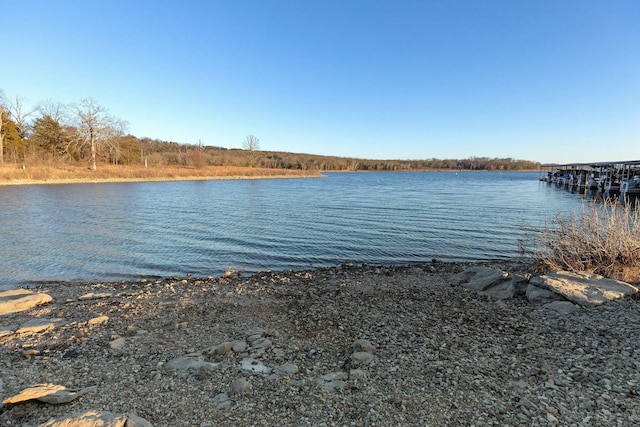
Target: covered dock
{"points": [[621, 177]]}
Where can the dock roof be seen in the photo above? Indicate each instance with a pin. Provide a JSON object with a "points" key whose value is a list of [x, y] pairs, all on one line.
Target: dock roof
{"points": [[592, 164]]}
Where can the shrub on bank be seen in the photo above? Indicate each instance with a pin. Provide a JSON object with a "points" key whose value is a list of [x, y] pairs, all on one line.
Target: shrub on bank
{"points": [[603, 239]]}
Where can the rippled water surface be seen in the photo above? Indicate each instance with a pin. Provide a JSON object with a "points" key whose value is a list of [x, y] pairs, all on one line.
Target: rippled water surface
{"points": [[124, 231]]}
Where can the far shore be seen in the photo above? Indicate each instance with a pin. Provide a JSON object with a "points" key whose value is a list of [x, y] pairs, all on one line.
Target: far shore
{"points": [[151, 179], [121, 174]]}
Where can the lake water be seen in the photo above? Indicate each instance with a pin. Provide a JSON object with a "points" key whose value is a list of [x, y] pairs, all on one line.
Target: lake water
{"points": [[104, 232]]}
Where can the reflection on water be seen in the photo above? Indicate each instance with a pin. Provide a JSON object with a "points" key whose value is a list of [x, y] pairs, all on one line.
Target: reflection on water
{"points": [[123, 231]]}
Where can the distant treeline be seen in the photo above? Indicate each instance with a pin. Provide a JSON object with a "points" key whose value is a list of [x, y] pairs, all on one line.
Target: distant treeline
{"points": [[53, 133]]}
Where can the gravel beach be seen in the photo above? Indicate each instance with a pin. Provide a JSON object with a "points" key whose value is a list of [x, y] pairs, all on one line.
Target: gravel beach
{"points": [[346, 346]]}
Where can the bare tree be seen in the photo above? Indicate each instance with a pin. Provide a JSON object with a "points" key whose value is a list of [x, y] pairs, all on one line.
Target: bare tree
{"points": [[2, 113], [96, 128], [251, 144], [19, 114], [56, 110]]}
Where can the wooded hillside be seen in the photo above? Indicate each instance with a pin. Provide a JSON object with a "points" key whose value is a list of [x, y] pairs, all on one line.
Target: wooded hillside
{"points": [[52, 134]]}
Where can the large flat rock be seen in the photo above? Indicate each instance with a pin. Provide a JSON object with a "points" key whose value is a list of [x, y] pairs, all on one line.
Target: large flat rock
{"points": [[17, 300], [584, 288], [98, 419], [48, 393]]}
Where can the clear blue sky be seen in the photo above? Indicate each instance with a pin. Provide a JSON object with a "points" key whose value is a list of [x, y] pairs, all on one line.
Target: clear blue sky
{"points": [[551, 81]]}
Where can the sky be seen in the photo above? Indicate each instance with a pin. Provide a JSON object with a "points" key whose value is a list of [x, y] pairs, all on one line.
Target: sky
{"points": [[548, 81]]}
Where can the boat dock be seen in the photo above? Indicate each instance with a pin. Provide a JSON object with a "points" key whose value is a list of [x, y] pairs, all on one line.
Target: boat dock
{"points": [[608, 178]]}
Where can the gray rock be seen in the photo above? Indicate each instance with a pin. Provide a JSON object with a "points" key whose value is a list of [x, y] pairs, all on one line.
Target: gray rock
{"points": [[356, 374], [584, 288], [255, 331], [538, 295], [261, 343], [333, 386], [98, 419], [17, 300], [254, 366], [360, 358], [503, 290], [332, 376], [220, 349], [562, 307], [118, 343], [239, 347], [222, 401], [362, 345], [190, 363], [520, 283], [286, 370], [48, 393], [479, 278], [240, 386]]}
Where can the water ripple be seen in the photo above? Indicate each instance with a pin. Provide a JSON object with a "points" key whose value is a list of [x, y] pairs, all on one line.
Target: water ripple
{"points": [[124, 231]]}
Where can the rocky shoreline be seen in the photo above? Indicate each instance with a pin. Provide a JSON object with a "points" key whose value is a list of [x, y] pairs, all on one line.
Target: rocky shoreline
{"points": [[347, 346]]}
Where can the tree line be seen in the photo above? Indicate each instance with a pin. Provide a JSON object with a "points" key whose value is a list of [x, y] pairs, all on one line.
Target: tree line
{"points": [[53, 133]]}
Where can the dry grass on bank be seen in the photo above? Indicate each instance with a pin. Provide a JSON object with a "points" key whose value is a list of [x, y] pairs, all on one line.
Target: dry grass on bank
{"points": [[604, 239], [66, 173]]}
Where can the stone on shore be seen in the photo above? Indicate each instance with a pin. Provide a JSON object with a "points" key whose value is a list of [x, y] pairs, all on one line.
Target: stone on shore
{"points": [[17, 300], [98, 419], [286, 370], [479, 278], [184, 364], [562, 307], [35, 326], [240, 386], [48, 393], [362, 345], [539, 295], [584, 288], [503, 290], [100, 320]]}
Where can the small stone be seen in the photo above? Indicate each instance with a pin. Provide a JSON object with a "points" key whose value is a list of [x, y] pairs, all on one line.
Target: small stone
{"points": [[98, 320], [240, 386], [356, 374], [362, 346], [255, 331], [253, 338], [222, 401], [286, 370], [252, 365], [31, 352], [186, 363], [262, 343], [220, 349], [92, 295], [239, 347], [117, 344], [182, 325], [360, 358]]}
